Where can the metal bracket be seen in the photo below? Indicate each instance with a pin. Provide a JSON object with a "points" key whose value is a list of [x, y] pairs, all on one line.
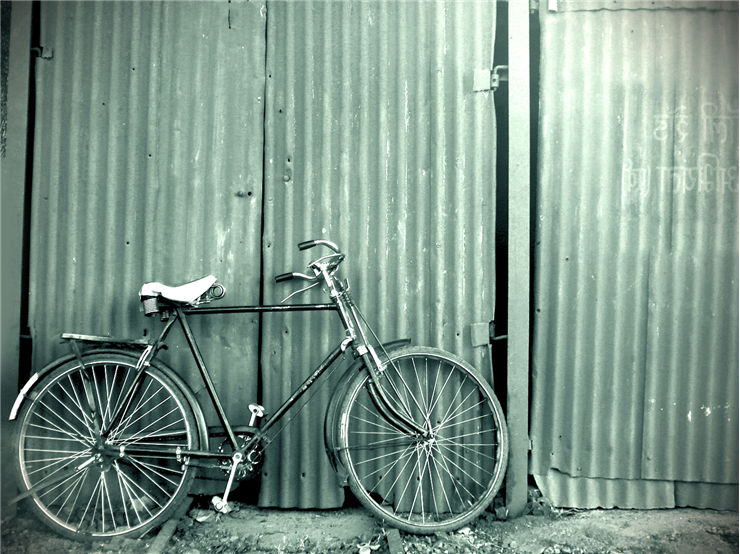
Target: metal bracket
{"points": [[43, 52], [490, 79]]}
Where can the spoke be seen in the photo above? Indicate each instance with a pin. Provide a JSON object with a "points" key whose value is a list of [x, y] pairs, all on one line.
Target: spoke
{"points": [[434, 388], [419, 489], [142, 416], [408, 482], [360, 447], [408, 389], [441, 483], [465, 435], [456, 413], [57, 462], [48, 477], [483, 469], [134, 438], [383, 455], [176, 469], [444, 386], [142, 469], [461, 469], [477, 452], [123, 391], [153, 468], [452, 402], [390, 465], [59, 484], [426, 413], [55, 439], [89, 423], [144, 397], [380, 423], [77, 485], [125, 496], [453, 480], [135, 503], [110, 504], [97, 394], [55, 426], [396, 462], [84, 513], [109, 400], [476, 418], [73, 414], [140, 499]]}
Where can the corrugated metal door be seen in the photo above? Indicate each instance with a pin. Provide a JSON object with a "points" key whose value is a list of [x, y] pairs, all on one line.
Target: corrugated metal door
{"points": [[148, 166], [376, 140], [635, 356]]}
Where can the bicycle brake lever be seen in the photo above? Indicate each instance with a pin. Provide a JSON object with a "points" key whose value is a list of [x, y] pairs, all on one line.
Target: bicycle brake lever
{"points": [[291, 295]]}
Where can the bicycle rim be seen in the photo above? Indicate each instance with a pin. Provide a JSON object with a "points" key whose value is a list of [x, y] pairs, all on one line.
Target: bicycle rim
{"points": [[434, 483], [123, 482]]}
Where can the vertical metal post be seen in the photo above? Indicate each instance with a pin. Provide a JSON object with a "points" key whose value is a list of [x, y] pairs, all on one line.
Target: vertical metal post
{"points": [[518, 257], [13, 199]]}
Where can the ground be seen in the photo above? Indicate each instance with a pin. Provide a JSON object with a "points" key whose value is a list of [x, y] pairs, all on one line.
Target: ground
{"points": [[352, 530]]}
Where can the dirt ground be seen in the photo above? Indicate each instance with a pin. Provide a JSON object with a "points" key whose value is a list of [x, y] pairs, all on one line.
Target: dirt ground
{"points": [[552, 531]]}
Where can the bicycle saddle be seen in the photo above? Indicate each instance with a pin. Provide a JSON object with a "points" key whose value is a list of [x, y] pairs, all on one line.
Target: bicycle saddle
{"points": [[187, 293]]}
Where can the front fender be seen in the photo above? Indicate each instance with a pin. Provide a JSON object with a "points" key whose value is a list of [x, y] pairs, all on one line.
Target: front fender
{"points": [[332, 409]]}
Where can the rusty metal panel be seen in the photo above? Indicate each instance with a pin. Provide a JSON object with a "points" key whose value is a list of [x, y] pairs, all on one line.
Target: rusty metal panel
{"points": [[635, 354], [592, 5], [147, 166], [376, 140]]}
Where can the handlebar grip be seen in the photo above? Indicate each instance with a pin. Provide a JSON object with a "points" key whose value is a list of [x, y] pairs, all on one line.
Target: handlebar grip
{"points": [[306, 244], [283, 277]]}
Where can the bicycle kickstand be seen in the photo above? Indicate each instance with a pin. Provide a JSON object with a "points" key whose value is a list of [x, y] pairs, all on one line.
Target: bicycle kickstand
{"points": [[222, 504]]}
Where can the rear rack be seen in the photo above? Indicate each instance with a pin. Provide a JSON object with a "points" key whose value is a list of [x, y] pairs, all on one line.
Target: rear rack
{"points": [[104, 339]]}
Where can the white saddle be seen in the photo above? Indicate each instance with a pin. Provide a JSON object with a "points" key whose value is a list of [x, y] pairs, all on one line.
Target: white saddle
{"points": [[187, 293]]}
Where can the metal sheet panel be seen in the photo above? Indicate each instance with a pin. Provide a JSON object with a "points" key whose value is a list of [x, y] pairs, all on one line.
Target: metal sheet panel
{"points": [[376, 141], [591, 5], [147, 166], [635, 365], [594, 492]]}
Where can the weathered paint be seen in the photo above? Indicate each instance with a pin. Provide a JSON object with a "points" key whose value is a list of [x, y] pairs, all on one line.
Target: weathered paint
{"points": [[376, 140], [519, 263], [635, 354], [16, 54], [148, 166]]}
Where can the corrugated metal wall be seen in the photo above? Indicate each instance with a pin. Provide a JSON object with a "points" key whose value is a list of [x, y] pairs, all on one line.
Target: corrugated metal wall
{"points": [[635, 355], [376, 140], [148, 166]]}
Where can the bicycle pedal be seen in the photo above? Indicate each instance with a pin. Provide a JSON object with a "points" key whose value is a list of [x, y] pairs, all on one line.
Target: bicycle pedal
{"points": [[220, 505], [257, 411]]}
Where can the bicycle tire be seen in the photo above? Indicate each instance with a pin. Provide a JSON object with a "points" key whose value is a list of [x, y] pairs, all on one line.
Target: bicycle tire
{"points": [[425, 485], [85, 484]]}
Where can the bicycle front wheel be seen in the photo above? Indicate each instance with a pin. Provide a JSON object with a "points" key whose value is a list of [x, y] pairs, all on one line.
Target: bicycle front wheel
{"points": [[436, 482], [97, 447]]}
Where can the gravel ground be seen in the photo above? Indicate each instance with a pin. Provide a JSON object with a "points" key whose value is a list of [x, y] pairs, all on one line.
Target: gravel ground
{"points": [[551, 531]]}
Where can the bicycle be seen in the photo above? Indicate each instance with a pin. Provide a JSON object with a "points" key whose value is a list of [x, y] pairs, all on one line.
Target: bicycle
{"points": [[109, 439]]}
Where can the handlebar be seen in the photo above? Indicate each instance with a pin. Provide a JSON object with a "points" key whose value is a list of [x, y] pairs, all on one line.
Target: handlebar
{"points": [[289, 276], [305, 245]]}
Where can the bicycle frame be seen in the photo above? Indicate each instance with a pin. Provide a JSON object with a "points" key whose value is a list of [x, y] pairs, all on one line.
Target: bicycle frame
{"points": [[356, 337], [180, 314]]}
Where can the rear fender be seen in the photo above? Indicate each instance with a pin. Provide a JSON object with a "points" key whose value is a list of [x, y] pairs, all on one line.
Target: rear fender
{"points": [[28, 389]]}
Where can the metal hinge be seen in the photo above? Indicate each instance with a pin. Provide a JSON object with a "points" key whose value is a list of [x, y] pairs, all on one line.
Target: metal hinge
{"points": [[490, 79], [43, 52]]}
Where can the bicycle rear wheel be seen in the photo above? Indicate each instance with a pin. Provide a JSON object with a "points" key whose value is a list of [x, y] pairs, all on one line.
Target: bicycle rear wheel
{"points": [[434, 483], [91, 477]]}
